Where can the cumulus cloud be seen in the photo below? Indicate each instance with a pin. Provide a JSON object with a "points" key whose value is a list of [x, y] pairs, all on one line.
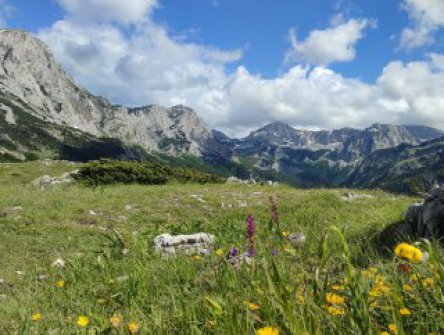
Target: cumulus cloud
{"points": [[323, 47], [152, 66], [125, 12], [427, 17]]}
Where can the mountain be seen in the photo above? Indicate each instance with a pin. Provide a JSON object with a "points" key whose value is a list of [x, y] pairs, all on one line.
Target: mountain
{"points": [[405, 168], [44, 113], [312, 158], [31, 78]]}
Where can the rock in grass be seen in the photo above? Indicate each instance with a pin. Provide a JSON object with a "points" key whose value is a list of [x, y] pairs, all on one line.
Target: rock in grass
{"points": [[427, 219], [168, 245], [3, 214], [296, 239]]}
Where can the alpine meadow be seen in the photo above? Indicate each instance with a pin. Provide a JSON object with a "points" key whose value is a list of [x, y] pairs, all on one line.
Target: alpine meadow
{"points": [[222, 167]]}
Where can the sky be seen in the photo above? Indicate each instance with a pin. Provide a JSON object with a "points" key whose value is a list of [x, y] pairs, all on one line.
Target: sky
{"points": [[316, 64]]}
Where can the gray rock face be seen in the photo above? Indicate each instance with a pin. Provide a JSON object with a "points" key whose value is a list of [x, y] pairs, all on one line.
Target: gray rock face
{"points": [[169, 245], [427, 219], [29, 72]]}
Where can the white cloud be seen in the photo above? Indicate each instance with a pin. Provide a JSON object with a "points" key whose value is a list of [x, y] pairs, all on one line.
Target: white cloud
{"points": [[126, 11], [427, 17], [152, 66], [335, 44]]}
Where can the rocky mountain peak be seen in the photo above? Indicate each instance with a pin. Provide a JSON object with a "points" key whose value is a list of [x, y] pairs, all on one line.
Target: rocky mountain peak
{"points": [[30, 75]]}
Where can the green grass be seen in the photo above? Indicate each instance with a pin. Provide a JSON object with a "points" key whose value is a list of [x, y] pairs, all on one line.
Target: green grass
{"points": [[207, 296]]}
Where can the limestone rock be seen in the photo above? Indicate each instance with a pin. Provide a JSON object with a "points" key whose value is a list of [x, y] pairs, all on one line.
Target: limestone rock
{"points": [[169, 245], [427, 219]]}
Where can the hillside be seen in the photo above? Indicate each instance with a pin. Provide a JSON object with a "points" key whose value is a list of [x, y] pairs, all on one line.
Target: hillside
{"points": [[405, 168], [103, 236]]}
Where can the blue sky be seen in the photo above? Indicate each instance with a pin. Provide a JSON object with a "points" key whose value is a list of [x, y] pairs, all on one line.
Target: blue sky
{"points": [[268, 45]]}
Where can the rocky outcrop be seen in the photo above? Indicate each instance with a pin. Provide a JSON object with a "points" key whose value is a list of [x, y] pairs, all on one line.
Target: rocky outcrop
{"points": [[31, 77], [427, 219], [169, 245]]}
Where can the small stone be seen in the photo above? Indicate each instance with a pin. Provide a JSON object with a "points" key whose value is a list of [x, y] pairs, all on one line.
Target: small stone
{"points": [[17, 208], [296, 239], [3, 214], [125, 252], [122, 278], [20, 273], [2, 281], [42, 277], [59, 263]]}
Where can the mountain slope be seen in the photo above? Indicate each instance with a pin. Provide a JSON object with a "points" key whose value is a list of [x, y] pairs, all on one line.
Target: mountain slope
{"points": [[29, 71], [405, 168]]}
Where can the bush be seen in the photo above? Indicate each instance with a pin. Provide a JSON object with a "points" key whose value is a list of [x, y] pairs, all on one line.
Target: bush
{"points": [[147, 173]]}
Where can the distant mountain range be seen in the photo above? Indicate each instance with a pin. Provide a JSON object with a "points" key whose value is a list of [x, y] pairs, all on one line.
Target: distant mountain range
{"points": [[45, 114]]}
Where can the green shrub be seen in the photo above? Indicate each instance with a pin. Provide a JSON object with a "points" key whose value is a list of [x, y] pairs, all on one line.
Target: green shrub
{"points": [[147, 173]]}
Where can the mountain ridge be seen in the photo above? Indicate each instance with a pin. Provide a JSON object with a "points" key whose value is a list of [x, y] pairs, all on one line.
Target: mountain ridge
{"points": [[31, 81]]}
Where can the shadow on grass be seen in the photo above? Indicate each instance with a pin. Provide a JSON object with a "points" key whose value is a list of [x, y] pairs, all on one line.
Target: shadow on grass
{"points": [[379, 243]]}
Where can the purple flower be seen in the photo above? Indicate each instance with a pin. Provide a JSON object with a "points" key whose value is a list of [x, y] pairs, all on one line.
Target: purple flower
{"points": [[274, 211], [274, 252], [251, 231], [233, 252]]}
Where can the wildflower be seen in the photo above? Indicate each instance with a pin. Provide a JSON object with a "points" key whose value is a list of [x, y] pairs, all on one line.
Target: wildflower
{"points": [[36, 317], [428, 282], [337, 287], [370, 272], [300, 295], [335, 299], [60, 284], [274, 211], [116, 321], [405, 268], [274, 252], [83, 321], [219, 252], [393, 328], [285, 233], [251, 231], [409, 252], [384, 333], [233, 252], [101, 301], [405, 311], [252, 306], [407, 288], [379, 289], [133, 327], [267, 331], [336, 310], [414, 278], [197, 258]]}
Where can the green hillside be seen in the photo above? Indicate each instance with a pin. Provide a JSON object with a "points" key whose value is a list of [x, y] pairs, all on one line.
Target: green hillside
{"points": [[105, 233]]}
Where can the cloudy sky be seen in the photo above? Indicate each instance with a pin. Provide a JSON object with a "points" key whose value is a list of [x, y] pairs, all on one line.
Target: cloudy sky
{"points": [[243, 63]]}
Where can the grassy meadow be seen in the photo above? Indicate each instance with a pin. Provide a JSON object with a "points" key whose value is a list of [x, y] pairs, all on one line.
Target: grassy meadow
{"points": [[345, 279]]}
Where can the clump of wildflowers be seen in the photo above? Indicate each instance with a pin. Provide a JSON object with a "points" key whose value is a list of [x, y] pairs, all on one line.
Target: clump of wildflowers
{"points": [[274, 211], [251, 231]]}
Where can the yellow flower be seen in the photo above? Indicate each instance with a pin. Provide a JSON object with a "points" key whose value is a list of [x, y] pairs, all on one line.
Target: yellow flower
{"points": [[370, 272], [36, 317], [267, 331], [101, 301], [405, 311], [335, 299], [219, 252], [337, 287], [285, 233], [414, 278], [60, 284], [116, 321], [252, 306], [428, 282], [83, 321], [335, 310], [133, 327], [408, 252], [300, 295], [393, 328], [384, 333], [407, 288], [197, 258], [379, 289]]}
